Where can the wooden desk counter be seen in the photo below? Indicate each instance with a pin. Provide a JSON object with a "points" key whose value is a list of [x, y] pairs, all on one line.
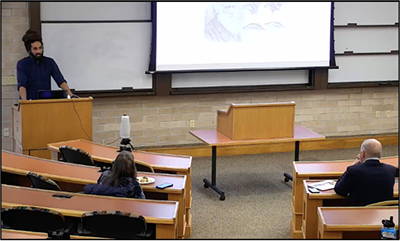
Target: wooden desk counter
{"points": [[161, 213], [325, 198], [354, 222], [19, 234], [317, 170], [73, 177], [331, 168], [107, 154], [79, 174], [176, 164]]}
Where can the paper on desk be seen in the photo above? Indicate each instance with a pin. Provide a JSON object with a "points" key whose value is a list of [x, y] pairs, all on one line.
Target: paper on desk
{"points": [[323, 185]]}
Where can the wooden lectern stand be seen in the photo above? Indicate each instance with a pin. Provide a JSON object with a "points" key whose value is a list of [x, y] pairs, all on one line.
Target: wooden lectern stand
{"points": [[39, 122], [257, 121], [253, 124]]}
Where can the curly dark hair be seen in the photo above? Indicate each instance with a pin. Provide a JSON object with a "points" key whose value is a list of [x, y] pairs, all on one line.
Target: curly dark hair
{"points": [[30, 37]]}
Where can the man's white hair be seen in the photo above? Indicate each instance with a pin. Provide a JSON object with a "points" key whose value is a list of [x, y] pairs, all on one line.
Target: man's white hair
{"points": [[372, 148]]}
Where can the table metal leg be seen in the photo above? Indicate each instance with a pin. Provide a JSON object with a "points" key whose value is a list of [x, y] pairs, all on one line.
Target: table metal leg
{"points": [[213, 183], [296, 159], [296, 151]]}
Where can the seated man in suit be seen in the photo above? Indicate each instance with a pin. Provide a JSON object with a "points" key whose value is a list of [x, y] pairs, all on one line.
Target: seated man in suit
{"points": [[368, 180]]}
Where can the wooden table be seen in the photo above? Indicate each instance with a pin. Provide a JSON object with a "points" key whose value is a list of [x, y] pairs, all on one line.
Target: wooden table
{"points": [[19, 234], [175, 164], [316, 170], [354, 222], [162, 214], [325, 198], [73, 177], [214, 139]]}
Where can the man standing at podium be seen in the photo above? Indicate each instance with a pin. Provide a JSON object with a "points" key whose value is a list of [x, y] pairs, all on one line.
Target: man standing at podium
{"points": [[35, 71]]}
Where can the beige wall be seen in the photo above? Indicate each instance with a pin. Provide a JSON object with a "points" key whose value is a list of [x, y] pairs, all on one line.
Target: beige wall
{"points": [[162, 121]]}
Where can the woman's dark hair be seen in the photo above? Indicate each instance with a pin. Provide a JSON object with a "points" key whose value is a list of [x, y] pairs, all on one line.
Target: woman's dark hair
{"points": [[123, 166], [31, 37]]}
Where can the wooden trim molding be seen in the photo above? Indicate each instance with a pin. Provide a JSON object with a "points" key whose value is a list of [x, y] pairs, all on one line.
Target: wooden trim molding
{"points": [[162, 84], [383, 83], [370, 53], [329, 143], [99, 21], [34, 17]]}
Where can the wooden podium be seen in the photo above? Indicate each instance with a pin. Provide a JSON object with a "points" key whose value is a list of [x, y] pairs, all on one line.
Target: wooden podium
{"points": [[39, 122], [257, 121]]}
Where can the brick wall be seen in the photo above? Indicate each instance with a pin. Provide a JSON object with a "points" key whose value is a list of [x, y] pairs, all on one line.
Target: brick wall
{"points": [[159, 121], [14, 16], [162, 121], [15, 22]]}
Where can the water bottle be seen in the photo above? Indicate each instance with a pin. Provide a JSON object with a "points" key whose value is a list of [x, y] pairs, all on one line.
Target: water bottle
{"points": [[388, 230], [125, 128]]}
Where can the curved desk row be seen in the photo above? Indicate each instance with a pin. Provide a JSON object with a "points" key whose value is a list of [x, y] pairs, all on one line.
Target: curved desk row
{"points": [[354, 222], [317, 170], [174, 164], [163, 214], [312, 201], [73, 177]]}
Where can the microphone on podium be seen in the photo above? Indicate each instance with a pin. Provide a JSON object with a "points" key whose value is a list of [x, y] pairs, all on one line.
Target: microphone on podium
{"points": [[125, 131]]}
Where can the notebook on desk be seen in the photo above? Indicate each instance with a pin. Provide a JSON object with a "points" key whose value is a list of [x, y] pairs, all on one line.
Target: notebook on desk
{"points": [[323, 185]]}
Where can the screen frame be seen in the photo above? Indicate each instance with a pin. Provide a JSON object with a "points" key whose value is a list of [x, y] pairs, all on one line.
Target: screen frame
{"points": [[153, 54]]}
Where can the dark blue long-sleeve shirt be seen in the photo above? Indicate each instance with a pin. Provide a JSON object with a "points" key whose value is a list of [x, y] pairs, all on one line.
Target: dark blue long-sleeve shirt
{"points": [[36, 76]]}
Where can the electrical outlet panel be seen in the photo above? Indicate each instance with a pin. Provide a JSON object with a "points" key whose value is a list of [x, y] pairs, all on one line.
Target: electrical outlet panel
{"points": [[6, 132]]}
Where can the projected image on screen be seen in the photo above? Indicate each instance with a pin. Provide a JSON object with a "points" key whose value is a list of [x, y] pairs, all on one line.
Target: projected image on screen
{"points": [[237, 22], [194, 36]]}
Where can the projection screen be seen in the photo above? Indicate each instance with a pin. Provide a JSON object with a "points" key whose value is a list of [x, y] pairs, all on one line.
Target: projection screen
{"points": [[242, 35]]}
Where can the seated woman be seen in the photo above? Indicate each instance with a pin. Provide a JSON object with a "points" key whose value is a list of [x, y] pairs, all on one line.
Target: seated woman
{"points": [[120, 181]]}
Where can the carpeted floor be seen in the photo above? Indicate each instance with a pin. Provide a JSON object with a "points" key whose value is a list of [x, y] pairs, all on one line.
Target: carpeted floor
{"points": [[258, 201]]}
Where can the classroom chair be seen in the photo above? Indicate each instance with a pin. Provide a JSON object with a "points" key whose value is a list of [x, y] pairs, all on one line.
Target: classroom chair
{"points": [[115, 224], [39, 181], [75, 155], [32, 219], [143, 166]]}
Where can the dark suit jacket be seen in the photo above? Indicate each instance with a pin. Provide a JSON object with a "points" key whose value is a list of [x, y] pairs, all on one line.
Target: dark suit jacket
{"points": [[367, 183]]}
